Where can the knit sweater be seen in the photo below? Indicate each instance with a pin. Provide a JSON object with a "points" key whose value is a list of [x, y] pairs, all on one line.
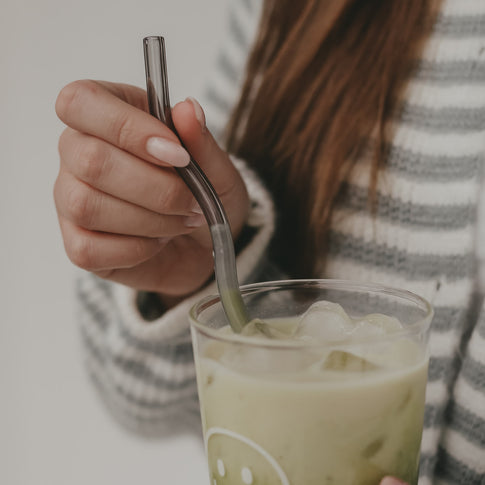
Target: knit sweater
{"points": [[421, 238]]}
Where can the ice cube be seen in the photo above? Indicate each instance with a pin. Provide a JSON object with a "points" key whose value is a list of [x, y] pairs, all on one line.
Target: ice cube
{"points": [[325, 321], [374, 325], [341, 360], [277, 328], [255, 356], [274, 361]]}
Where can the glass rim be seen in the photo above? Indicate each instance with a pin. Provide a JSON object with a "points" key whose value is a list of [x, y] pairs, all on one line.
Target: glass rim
{"points": [[420, 325]]}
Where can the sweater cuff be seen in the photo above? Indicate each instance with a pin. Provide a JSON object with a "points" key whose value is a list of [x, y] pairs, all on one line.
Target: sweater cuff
{"points": [[174, 322]]}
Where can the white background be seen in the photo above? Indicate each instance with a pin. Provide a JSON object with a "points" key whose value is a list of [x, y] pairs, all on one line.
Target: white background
{"points": [[53, 428]]}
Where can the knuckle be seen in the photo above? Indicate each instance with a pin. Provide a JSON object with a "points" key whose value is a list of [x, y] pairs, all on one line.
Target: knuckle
{"points": [[71, 97], [105, 274], [80, 205], [140, 250], [56, 192], [124, 131], [171, 198], [163, 200], [91, 160], [80, 252], [64, 142]]}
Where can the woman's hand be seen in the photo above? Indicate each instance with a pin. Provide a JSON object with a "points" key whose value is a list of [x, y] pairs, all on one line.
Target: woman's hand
{"points": [[124, 213]]}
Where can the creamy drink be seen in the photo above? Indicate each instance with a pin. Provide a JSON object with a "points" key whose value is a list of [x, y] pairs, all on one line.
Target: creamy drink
{"points": [[316, 398]]}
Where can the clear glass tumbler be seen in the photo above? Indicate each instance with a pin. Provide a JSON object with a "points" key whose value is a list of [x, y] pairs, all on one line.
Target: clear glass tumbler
{"points": [[317, 410]]}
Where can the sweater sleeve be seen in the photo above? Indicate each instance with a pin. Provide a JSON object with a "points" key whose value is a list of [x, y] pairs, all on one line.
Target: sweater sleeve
{"points": [[143, 368]]}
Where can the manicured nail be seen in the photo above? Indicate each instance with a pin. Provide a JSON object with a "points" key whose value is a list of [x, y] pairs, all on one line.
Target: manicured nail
{"points": [[199, 112], [168, 152], [195, 220], [196, 208]]}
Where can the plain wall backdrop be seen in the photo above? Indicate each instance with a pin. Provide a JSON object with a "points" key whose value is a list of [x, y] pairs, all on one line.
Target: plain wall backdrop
{"points": [[53, 428]]}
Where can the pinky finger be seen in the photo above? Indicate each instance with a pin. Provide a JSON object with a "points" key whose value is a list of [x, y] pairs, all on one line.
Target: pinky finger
{"points": [[103, 252]]}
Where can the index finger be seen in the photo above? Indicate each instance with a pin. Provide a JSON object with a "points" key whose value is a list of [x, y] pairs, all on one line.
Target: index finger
{"points": [[113, 113]]}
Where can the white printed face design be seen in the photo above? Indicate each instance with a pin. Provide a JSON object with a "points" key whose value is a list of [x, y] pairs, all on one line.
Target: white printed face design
{"points": [[237, 460]]}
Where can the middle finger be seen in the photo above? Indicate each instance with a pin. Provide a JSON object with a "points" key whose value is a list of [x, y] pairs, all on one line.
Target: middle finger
{"points": [[124, 176]]}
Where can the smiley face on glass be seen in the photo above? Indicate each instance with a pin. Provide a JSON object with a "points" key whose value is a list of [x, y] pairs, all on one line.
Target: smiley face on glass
{"points": [[237, 460]]}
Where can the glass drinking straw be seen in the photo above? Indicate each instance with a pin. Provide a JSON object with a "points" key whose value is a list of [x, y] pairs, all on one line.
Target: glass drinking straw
{"points": [[204, 193]]}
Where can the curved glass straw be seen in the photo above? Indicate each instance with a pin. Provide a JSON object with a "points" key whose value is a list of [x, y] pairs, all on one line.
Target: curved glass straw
{"points": [[194, 177]]}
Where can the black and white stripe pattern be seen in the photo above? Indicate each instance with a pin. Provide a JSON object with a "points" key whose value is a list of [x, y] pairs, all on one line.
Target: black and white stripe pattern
{"points": [[422, 237], [424, 234]]}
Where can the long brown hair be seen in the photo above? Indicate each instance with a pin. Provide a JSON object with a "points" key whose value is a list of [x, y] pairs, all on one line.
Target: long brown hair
{"points": [[323, 79]]}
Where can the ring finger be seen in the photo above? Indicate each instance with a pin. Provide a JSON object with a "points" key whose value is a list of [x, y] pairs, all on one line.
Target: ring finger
{"points": [[94, 210]]}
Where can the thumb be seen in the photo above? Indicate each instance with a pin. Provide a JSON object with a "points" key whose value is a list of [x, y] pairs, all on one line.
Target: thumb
{"points": [[189, 121]]}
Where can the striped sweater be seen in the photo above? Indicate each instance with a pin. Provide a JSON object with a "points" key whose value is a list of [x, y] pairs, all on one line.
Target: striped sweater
{"points": [[423, 238]]}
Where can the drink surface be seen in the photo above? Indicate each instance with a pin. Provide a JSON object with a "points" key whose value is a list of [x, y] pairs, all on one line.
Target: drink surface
{"points": [[347, 414]]}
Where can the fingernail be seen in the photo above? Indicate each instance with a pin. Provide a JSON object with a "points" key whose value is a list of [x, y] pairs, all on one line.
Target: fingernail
{"points": [[168, 152], [195, 220], [199, 112], [196, 208]]}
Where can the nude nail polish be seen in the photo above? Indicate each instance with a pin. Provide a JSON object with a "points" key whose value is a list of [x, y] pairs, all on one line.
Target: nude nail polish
{"points": [[196, 220], [167, 151], [199, 112], [196, 208]]}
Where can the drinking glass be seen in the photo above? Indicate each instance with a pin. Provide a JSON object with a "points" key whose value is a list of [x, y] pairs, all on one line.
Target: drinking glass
{"points": [[290, 408]]}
